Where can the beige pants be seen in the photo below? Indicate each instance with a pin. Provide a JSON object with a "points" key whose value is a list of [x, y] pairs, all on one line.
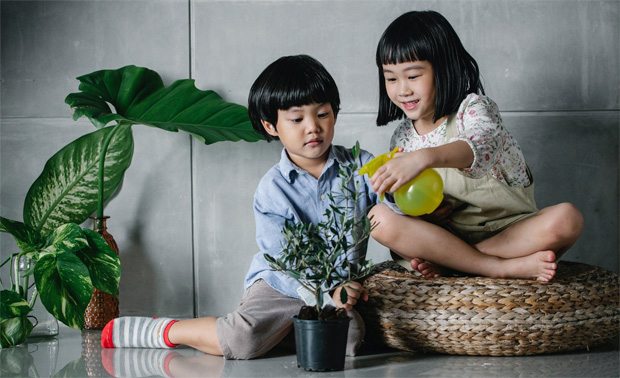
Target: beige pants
{"points": [[263, 320]]}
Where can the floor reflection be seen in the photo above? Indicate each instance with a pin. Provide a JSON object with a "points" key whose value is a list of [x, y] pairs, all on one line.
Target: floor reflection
{"points": [[20, 361], [73, 355]]}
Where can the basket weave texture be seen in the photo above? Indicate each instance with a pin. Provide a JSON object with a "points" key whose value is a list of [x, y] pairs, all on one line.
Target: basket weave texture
{"points": [[491, 316]]}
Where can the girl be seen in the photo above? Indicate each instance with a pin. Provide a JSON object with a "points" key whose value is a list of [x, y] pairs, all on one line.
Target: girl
{"points": [[489, 223]]}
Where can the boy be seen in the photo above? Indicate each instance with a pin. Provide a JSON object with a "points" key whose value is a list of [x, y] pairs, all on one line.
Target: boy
{"points": [[296, 101]]}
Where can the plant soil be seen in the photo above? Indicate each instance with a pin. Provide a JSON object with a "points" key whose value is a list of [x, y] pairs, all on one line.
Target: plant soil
{"points": [[328, 313]]}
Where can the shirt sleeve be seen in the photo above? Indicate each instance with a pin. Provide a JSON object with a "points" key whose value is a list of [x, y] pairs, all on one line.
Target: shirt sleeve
{"points": [[480, 125], [269, 224]]}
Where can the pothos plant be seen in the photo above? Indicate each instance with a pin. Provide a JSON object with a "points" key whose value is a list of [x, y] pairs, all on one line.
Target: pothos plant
{"points": [[64, 260], [320, 257]]}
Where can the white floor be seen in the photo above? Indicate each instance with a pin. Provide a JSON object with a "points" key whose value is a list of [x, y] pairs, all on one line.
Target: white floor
{"points": [[71, 354]]}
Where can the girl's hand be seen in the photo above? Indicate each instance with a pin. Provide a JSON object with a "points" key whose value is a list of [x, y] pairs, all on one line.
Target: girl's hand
{"points": [[404, 167], [355, 291], [441, 215]]}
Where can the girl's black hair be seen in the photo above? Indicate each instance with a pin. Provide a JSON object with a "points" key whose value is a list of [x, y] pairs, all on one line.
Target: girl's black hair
{"points": [[427, 36], [290, 81]]}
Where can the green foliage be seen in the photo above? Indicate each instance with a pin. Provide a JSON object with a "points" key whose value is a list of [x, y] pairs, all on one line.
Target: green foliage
{"points": [[14, 331], [317, 255], [65, 265], [136, 95], [139, 97], [67, 189], [65, 260]]}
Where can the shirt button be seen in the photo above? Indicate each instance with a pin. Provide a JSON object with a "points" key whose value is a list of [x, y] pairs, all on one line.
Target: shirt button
{"points": [[322, 197]]}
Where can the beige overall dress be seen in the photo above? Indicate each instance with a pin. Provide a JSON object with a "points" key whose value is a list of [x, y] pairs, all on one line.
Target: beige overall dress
{"points": [[483, 207]]}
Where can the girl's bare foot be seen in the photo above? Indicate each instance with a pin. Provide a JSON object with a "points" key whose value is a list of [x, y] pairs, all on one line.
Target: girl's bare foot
{"points": [[426, 268], [538, 266]]}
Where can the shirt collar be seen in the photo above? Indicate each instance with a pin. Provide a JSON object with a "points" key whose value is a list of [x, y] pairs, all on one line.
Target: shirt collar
{"points": [[290, 170]]}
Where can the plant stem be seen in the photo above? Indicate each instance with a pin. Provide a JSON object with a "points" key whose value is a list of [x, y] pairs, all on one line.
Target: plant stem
{"points": [[33, 299], [15, 275], [25, 284], [102, 155], [319, 309]]}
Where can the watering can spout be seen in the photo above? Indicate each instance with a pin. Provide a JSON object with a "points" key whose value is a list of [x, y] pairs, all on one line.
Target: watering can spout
{"points": [[420, 196]]}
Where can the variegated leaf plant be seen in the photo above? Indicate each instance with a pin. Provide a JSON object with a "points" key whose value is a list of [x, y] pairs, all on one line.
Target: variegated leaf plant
{"points": [[82, 176]]}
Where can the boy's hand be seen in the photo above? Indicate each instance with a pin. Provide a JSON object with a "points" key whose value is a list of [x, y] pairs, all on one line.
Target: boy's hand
{"points": [[355, 291]]}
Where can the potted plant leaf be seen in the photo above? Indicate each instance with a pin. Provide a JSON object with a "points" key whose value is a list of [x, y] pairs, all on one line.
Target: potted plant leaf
{"points": [[66, 260], [136, 95], [319, 257], [66, 263]]}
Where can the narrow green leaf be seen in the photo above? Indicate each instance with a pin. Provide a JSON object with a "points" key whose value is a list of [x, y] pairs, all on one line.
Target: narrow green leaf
{"points": [[344, 296], [64, 286], [139, 97], [293, 274], [356, 150], [66, 190], [102, 262]]}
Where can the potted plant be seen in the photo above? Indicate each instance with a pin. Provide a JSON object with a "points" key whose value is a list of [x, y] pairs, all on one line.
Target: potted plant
{"points": [[66, 260], [66, 263], [318, 256]]}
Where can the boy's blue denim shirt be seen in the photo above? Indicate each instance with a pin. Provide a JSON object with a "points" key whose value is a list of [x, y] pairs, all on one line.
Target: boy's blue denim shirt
{"points": [[289, 192]]}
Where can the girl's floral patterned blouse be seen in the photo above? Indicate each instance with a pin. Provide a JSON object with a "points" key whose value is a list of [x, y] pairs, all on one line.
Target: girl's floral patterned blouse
{"points": [[480, 125]]}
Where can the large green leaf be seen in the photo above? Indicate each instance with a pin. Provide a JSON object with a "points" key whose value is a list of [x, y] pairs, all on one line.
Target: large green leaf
{"points": [[102, 263], [66, 190], [14, 331], [64, 286], [139, 97], [26, 237], [68, 238], [12, 304]]}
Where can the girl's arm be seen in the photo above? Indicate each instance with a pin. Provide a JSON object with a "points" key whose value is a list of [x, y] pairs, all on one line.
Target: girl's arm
{"points": [[408, 165]]}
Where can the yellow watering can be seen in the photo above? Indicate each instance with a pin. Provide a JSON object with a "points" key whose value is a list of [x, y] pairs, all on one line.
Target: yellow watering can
{"points": [[420, 196]]}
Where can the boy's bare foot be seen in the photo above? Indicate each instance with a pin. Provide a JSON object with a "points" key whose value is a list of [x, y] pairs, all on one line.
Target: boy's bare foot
{"points": [[539, 266], [426, 268]]}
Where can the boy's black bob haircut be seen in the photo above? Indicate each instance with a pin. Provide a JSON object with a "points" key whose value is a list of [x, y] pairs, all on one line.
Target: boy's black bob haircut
{"points": [[427, 36], [290, 81]]}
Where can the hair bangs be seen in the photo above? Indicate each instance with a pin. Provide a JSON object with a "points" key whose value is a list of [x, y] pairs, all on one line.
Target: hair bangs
{"points": [[396, 53], [301, 89], [403, 42]]}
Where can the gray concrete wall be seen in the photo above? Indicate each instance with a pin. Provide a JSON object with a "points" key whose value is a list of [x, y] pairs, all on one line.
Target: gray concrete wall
{"points": [[183, 218]]}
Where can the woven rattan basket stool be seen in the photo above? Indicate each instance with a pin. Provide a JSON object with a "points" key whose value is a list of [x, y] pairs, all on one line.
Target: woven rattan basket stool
{"points": [[489, 316]]}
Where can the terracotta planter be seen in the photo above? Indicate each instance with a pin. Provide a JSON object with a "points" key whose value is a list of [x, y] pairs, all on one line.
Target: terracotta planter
{"points": [[103, 307]]}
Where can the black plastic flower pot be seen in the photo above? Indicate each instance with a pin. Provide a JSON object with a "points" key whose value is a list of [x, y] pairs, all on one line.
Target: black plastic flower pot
{"points": [[321, 345]]}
